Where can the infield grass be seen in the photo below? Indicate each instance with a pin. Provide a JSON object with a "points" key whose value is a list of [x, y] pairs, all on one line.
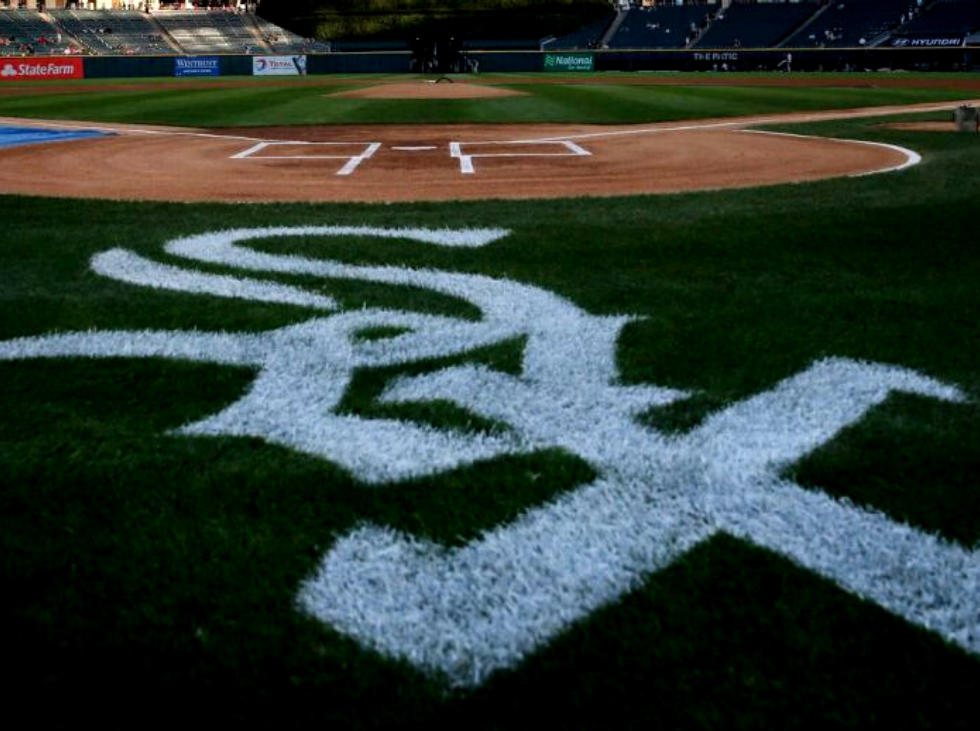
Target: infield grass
{"points": [[164, 569]]}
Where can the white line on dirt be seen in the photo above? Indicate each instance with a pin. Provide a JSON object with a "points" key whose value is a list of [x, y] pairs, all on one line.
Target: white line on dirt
{"points": [[258, 147], [353, 161], [912, 157], [466, 160], [789, 118], [755, 121], [352, 164]]}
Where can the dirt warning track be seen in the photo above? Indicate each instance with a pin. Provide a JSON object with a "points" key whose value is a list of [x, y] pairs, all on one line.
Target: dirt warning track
{"points": [[411, 163]]}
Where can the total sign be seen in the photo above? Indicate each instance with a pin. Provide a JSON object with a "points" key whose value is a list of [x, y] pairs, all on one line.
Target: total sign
{"points": [[279, 66], [42, 68]]}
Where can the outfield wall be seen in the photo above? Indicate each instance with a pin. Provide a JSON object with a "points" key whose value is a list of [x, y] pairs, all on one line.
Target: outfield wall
{"points": [[808, 59], [846, 59]]}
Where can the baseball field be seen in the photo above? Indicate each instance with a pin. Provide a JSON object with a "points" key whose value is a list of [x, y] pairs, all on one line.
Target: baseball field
{"points": [[628, 400]]}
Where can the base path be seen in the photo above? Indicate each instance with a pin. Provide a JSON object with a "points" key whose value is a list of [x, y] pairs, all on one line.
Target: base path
{"points": [[411, 163]]}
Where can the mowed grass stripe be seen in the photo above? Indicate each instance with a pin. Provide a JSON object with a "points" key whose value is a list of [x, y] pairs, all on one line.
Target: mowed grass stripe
{"points": [[296, 103]]}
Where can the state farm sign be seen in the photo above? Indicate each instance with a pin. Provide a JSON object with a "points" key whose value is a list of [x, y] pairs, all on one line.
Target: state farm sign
{"points": [[22, 69]]}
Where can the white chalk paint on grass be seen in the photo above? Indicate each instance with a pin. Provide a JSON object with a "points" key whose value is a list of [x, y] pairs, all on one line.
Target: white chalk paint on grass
{"points": [[467, 612], [127, 266]]}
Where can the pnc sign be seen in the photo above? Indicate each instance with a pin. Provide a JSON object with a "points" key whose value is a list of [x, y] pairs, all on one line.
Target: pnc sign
{"points": [[465, 612]]}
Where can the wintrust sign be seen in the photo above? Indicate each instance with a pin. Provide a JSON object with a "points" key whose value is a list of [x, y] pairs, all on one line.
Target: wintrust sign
{"points": [[42, 68]]}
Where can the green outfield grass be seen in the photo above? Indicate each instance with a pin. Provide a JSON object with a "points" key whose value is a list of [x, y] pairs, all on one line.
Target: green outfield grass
{"points": [[312, 103], [161, 569]]}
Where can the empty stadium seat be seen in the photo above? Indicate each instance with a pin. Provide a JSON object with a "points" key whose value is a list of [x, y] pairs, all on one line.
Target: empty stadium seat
{"points": [[586, 37], [112, 32], [27, 29], [660, 27], [749, 25], [844, 23], [947, 17]]}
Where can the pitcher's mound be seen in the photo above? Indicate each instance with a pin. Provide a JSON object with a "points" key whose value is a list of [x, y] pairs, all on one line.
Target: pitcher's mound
{"points": [[428, 90]]}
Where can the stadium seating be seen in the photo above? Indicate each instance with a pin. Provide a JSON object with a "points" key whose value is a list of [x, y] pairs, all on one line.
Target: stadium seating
{"points": [[131, 32], [369, 46], [749, 25], [660, 27], [502, 44], [220, 31], [947, 17], [113, 32], [27, 33], [844, 23], [587, 37], [280, 40], [745, 23], [202, 31]]}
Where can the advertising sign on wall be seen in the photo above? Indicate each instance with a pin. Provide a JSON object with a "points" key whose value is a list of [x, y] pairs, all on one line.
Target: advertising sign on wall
{"points": [[279, 66], [569, 62], [197, 66], [38, 69], [927, 41]]}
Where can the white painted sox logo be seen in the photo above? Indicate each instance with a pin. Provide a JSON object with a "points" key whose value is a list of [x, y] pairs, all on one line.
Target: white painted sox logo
{"points": [[466, 612]]}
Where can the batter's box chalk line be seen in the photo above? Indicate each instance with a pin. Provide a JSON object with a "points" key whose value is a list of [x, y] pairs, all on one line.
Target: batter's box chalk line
{"points": [[564, 148], [352, 161], [568, 149]]}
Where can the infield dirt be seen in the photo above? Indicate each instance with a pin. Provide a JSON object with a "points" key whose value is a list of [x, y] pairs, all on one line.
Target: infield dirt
{"points": [[447, 162]]}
